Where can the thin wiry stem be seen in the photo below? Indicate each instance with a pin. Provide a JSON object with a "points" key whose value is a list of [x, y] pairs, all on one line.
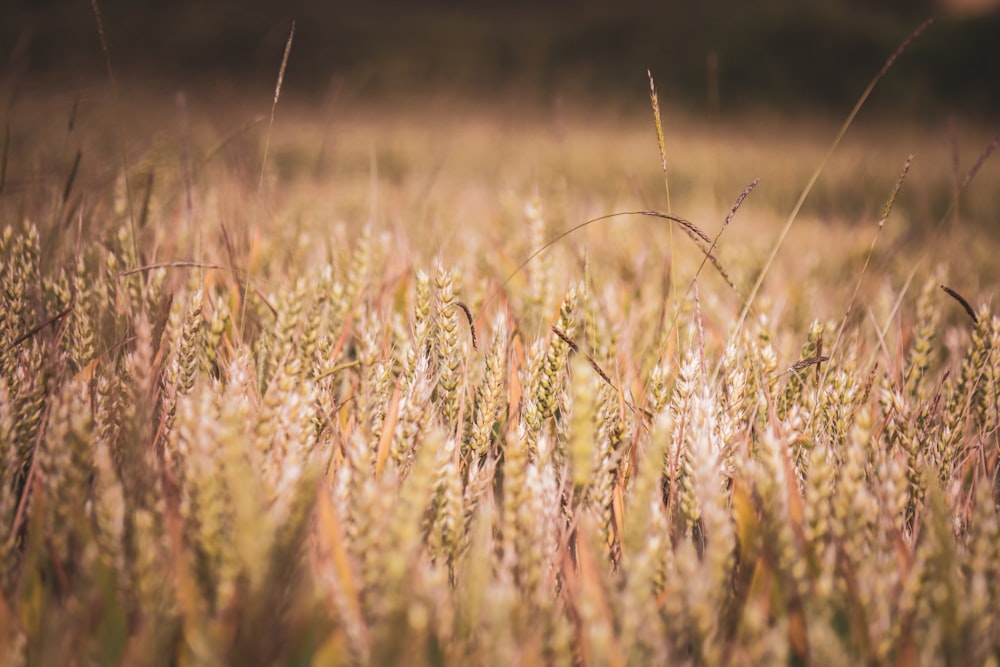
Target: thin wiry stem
{"points": [[692, 230], [783, 234]]}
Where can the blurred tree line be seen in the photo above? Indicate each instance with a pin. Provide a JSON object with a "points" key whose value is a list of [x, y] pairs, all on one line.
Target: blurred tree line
{"points": [[786, 55]]}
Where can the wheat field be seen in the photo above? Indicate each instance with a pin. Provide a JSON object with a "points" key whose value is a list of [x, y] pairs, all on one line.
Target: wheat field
{"points": [[300, 383]]}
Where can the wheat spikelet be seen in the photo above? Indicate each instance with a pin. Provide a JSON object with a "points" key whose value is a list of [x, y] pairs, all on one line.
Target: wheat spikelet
{"points": [[537, 531], [183, 366], [818, 494], [796, 391], [547, 369], [445, 519], [82, 332], [490, 393], [541, 288], [609, 444], [108, 507], [658, 388], [681, 457], [447, 354], [982, 573], [777, 492], [314, 324], [213, 343], [921, 349], [65, 464], [155, 597], [515, 471], [204, 503], [414, 417], [583, 456], [854, 506], [715, 526], [359, 273], [9, 473], [963, 398], [30, 382], [645, 545], [424, 333], [282, 340], [988, 397], [376, 379]]}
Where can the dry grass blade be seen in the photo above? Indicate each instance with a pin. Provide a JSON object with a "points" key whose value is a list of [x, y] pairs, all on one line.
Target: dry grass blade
{"points": [[72, 176], [980, 161], [566, 339], [187, 175], [274, 106], [709, 254], [886, 210], [692, 230], [472, 324], [339, 367], [806, 363], [104, 41], [4, 155], [699, 237], [71, 121], [736, 206], [956, 183], [783, 234], [220, 145], [961, 300], [590, 360], [330, 532], [181, 264], [959, 186], [263, 161], [234, 268], [34, 330], [147, 196], [654, 99], [227, 243], [891, 201], [121, 146], [658, 120], [710, 257], [388, 428], [899, 50]]}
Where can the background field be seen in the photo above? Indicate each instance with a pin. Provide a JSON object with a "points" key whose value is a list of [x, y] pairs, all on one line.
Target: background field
{"points": [[773, 56]]}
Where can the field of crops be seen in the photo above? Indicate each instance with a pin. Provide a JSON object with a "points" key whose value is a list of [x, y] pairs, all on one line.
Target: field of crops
{"points": [[319, 384]]}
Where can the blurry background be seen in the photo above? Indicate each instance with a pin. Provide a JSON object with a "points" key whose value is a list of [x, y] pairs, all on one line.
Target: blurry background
{"points": [[713, 56]]}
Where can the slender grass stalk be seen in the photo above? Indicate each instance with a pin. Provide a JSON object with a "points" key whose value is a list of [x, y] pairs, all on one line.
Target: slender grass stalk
{"points": [[783, 234], [263, 161], [121, 146]]}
